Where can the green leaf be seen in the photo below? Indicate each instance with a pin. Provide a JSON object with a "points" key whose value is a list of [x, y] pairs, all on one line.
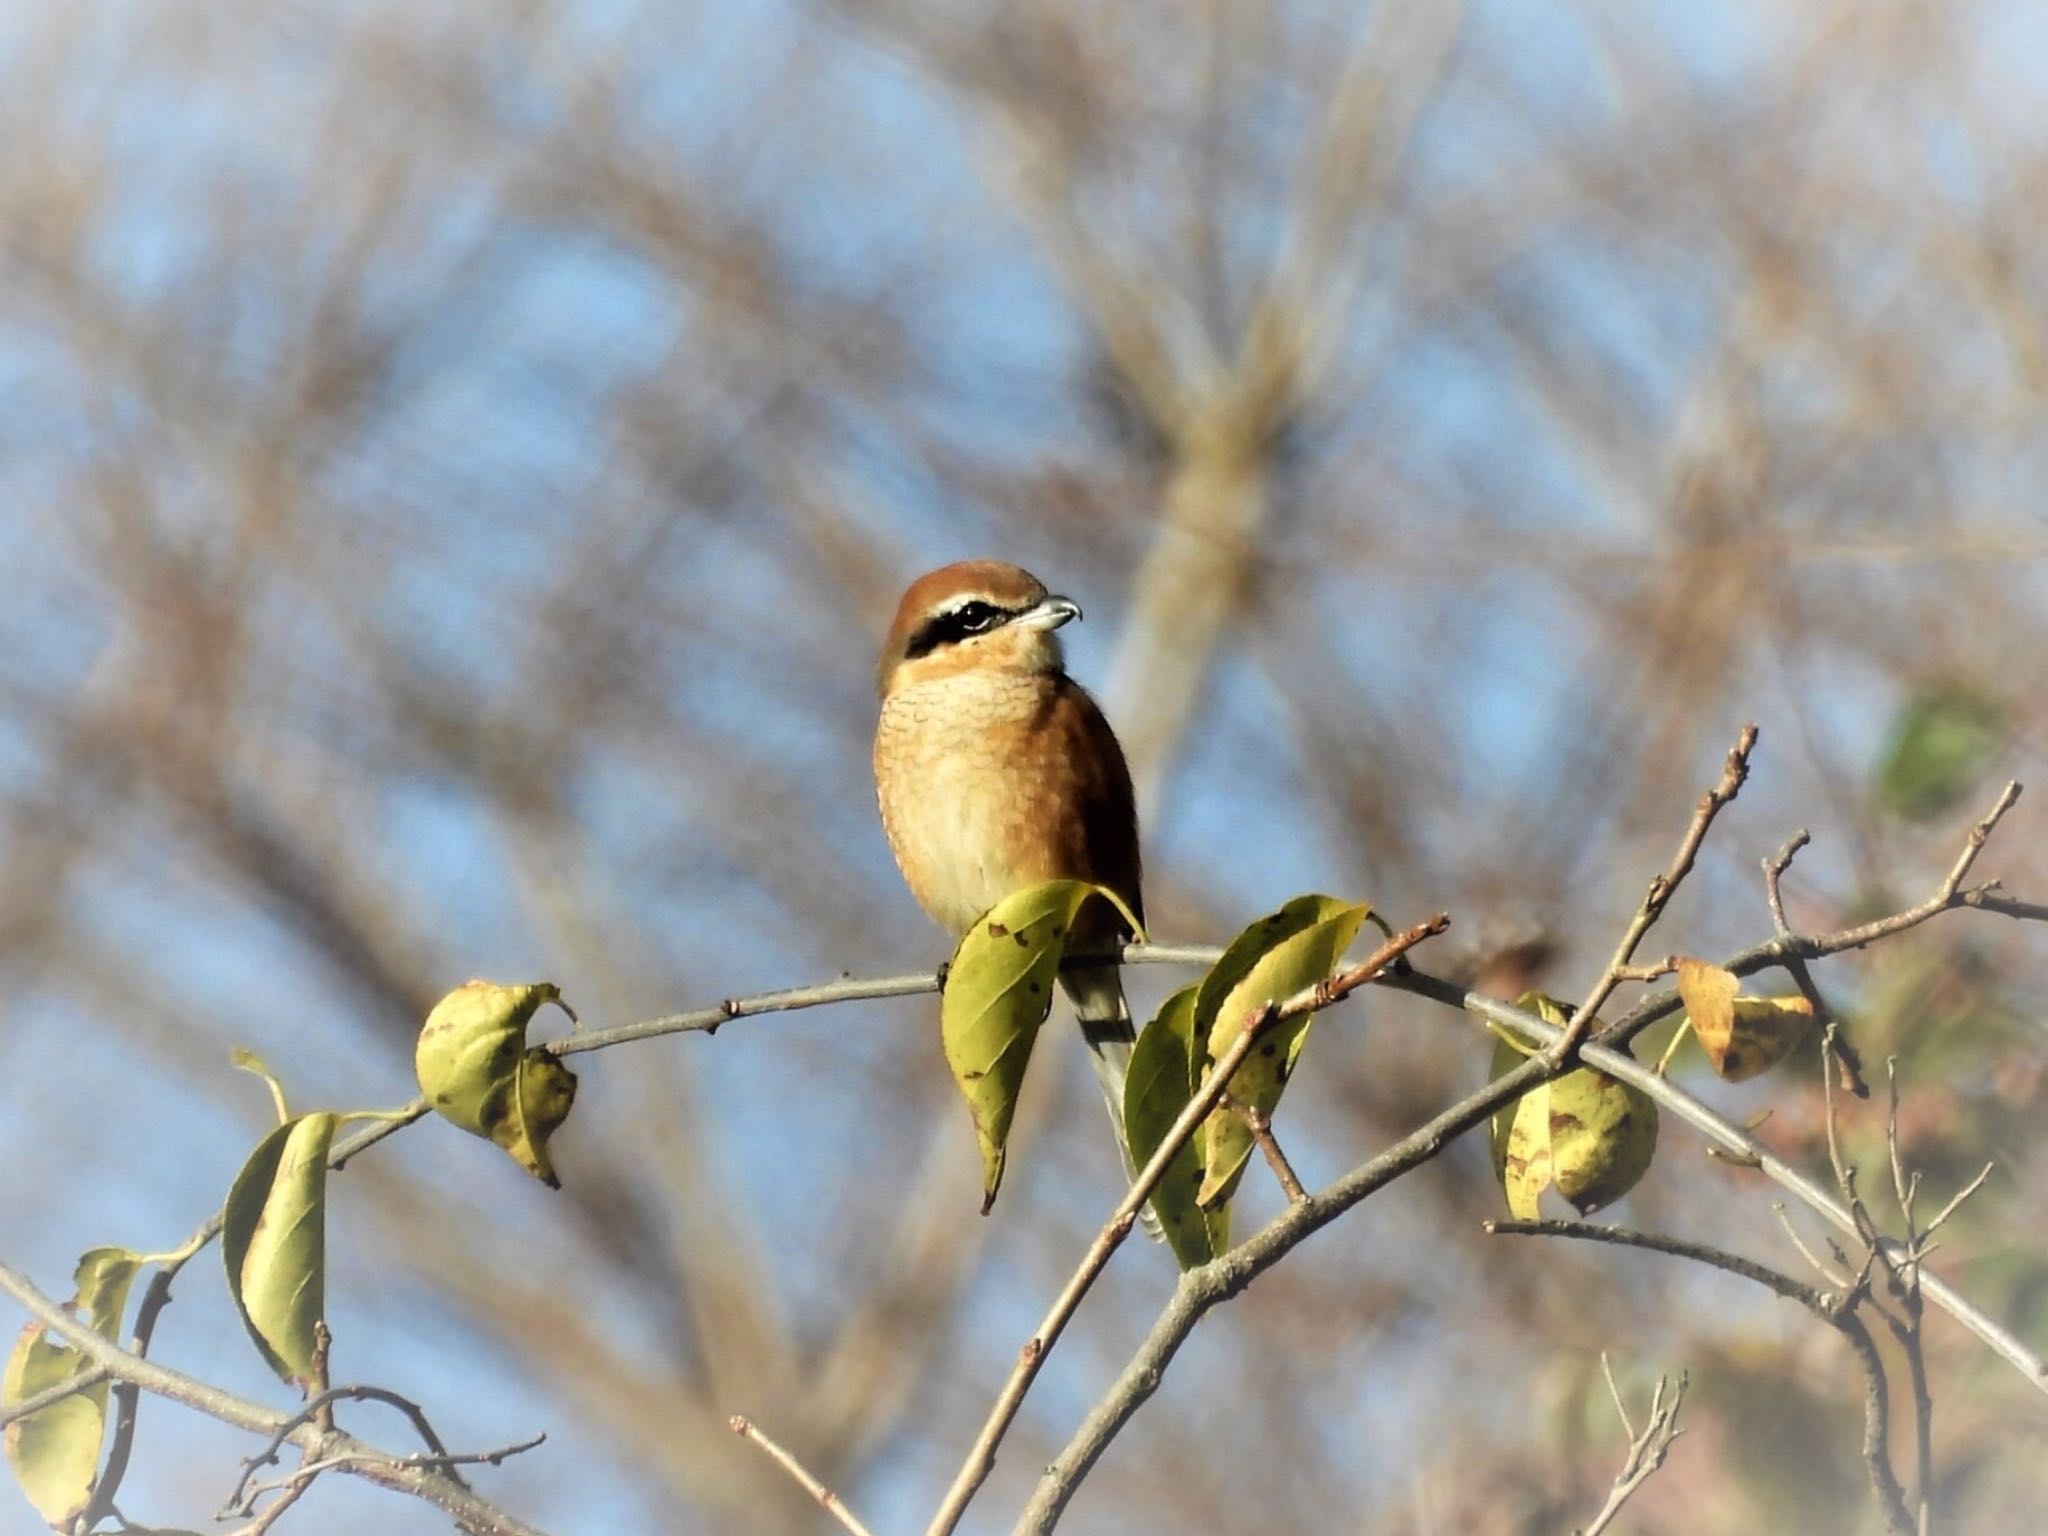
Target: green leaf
{"points": [[274, 1242], [1585, 1134], [474, 1068], [998, 992], [55, 1452], [1942, 741], [1162, 1079], [1271, 960]]}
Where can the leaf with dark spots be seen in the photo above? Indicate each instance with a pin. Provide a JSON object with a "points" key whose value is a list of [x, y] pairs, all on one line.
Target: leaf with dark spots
{"points": [[997, 995]]}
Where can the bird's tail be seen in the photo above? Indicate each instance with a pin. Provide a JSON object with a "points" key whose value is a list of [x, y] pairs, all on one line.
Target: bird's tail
{"points": [[1105, 1019]]}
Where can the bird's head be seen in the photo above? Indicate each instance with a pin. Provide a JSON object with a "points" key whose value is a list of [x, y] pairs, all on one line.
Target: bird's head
{"points": [[976, 615]]}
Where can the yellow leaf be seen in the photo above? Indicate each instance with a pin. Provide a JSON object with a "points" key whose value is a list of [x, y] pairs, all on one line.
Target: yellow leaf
{"points": [[1158, 1086], [1603, 1135], [1742, 1036], [55, 1452], [1270, 961], [998, 992], [274, 1242], [474, 1068], [1586, 1134]]}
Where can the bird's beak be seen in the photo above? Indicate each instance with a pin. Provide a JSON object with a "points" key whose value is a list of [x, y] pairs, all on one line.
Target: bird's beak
{"points": [[1050, 614]]}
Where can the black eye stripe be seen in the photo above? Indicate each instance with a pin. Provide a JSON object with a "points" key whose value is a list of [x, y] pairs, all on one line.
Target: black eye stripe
{"points": [[973, 617]]}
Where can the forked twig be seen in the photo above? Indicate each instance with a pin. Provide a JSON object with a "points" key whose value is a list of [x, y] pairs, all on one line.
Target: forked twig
{"points": [[982, 1456]]}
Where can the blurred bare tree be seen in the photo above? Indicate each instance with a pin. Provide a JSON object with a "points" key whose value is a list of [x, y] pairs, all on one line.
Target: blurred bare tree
{"points": [[455, 462]]}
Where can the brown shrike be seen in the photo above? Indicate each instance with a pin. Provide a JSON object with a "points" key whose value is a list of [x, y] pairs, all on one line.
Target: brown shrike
{"points": [[995, 770]]}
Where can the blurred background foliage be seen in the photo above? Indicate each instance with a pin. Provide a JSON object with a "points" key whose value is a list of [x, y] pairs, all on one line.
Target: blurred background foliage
{"points": [[456, 463]]}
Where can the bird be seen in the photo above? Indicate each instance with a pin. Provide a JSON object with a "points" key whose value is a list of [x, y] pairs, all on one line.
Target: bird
{"points": [[995, 770]]}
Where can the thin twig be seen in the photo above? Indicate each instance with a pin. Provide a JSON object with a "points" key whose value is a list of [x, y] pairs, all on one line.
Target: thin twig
{"points": [[832, 1504], [1614, 1391], [1955, 1205], [1733, 772], [1774, 873], [981, 1458], [71, 1386], [348, 1460], [1837, 1311], [1846, 1060], [1833, 1277], [1646, 1451], [317, 1409], [291, 1490], [1260, 1124]]}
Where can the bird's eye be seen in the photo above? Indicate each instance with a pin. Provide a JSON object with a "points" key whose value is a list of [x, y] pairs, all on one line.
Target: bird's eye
{"points": [[976, 617], [973, 617]]}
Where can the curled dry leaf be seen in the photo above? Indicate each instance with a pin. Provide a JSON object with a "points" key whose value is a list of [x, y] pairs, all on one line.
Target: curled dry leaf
{"points": [[1742, 1036]]}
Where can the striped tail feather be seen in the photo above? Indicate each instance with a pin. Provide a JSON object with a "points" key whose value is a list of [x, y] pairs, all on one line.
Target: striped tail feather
{"points": [[1105, 1019]]}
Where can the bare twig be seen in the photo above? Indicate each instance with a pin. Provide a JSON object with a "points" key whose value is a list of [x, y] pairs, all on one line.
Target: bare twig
{"points": [[1260, 1124], [1646, 1450], [1956, 1203], [446, 1460], [84, 1381], [318, 1410], [1774, 873], [1614, 1391], [832, 1504], [1845, 1057], [1820, 1266], [1725, 1134], [423, 1482], [981, 1458], [1733, 772], [1837, 1311], [290, 1491]]}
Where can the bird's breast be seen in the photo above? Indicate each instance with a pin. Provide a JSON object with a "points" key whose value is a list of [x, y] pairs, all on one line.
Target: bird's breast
{"points": [[963, 779]]}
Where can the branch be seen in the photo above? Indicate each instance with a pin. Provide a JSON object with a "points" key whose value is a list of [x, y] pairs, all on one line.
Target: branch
{"points": [[1219, 1280], [1260, 1124], [1838, 1312], [314, 1410], [1730, 1138], [833, 1505], [1733, 773], [1846, 1061], [436, 1487], [981, 1459], [50, 1396], [1203, 1288]]}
